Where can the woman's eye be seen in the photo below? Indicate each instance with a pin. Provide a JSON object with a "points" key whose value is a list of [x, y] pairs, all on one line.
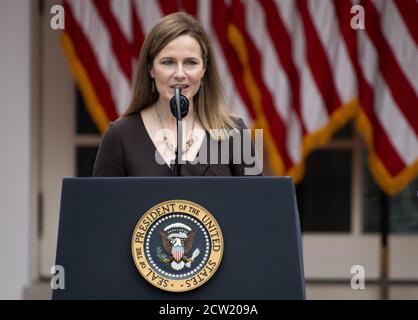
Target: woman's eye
{"points": [[167, 62], [191, 62]]}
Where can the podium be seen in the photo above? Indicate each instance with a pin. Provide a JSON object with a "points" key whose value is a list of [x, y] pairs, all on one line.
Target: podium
{"points": [[262, 254]]}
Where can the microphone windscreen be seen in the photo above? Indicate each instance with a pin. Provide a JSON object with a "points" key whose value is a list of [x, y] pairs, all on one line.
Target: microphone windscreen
{"points": [[184, 105]]}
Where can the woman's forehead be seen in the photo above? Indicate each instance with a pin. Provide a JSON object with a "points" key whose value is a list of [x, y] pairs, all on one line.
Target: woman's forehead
{"points": [[183, 46]]}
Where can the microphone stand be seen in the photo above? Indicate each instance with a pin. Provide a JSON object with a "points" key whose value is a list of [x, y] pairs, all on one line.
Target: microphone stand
{"points": [[179, 106], [179, 151]]}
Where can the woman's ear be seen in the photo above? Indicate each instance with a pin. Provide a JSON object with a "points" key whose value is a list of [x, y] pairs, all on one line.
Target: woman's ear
{"points": [[203, 74], [151, 71]]}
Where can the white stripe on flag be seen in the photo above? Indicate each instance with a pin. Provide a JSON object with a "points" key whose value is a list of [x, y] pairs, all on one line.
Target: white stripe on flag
{"points": [[274, 77], [324, 18], [123, 15], [314, 113], [403, 137], [400, 41], [96, 33], [294, 139], [149, 12]]}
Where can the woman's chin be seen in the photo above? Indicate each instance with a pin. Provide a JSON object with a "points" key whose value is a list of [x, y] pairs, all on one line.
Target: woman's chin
{"points": [[190, 95]]}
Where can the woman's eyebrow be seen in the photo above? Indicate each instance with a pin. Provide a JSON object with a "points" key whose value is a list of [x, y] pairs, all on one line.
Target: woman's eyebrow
{"points": [[172, 58]]}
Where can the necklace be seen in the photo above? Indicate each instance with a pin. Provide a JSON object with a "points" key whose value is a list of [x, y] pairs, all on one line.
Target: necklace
{"points": [[169, 145]]}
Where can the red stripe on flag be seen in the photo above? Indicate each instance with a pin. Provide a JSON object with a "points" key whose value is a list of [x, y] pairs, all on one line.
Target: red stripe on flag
{"points": [[318, 61], [381, 142], [409, 12], [120, 45], [138, 34], [283, 45], [401, 90], [89, 62], [190, 6], [276, 124], [219, 22], [167, 6]]}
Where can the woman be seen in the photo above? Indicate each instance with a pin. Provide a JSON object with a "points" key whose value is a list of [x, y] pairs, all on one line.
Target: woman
{"points": [[142, 142]]}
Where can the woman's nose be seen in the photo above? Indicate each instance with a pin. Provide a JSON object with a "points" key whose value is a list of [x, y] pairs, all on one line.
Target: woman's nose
{"points": [[179, 72]]}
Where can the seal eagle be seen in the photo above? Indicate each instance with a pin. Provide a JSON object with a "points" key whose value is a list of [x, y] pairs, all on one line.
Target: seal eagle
{"points": [[178, 246]]}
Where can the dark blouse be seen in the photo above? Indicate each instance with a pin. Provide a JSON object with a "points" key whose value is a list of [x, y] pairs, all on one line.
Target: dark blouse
{"points": [[126, 149]]}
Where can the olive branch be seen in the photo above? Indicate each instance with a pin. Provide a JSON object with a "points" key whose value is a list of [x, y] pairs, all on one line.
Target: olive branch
{"points": [[162, 256]]}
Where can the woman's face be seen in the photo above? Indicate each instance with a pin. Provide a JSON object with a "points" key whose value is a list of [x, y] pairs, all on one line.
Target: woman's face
{"points": [[180, 64]]}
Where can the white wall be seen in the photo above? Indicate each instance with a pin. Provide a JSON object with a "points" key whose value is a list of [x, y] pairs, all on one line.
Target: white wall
{"points": [[15, 138]]}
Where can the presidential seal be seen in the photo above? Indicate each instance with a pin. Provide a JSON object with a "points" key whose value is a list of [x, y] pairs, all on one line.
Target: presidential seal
{"points": [[177, 245]]}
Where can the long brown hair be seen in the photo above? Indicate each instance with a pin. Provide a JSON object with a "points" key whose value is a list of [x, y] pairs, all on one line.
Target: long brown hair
{"points": [[209, 101]]}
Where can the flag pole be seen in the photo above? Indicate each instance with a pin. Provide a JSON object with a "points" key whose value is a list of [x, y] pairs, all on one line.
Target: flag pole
{"points": [[384, 248]]}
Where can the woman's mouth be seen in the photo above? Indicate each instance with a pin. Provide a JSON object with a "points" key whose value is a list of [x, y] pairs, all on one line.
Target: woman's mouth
{"points": [[181, 87]]}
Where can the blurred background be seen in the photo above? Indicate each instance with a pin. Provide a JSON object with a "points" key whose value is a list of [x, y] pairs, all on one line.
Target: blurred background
{"points": [[334, 85]]}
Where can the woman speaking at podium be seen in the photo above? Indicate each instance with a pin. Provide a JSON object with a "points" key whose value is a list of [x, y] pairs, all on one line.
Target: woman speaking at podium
{"points": [[142, 142]]}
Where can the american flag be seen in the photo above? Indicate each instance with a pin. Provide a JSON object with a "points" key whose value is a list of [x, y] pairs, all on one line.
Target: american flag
{"points": [[298, 69]]}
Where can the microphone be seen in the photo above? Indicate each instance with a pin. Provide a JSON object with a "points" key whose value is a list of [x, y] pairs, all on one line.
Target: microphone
{"points": [[179, 100]]}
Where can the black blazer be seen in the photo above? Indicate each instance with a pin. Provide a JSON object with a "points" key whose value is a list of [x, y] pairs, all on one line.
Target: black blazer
{"points": [[126, 149]]}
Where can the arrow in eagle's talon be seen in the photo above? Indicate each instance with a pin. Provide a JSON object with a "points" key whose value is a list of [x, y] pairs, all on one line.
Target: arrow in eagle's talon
{"points": [[196, 252]]}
